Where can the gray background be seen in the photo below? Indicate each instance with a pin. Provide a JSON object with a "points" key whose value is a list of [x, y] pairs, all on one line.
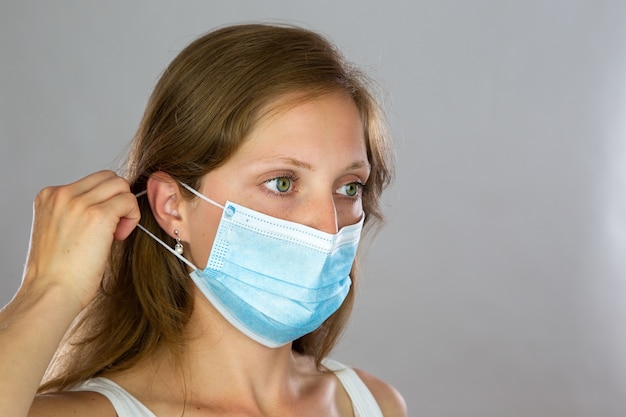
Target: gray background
{"points": [[498, 288]]}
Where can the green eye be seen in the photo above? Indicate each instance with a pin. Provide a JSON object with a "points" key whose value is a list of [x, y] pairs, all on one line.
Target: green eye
{"points": [[281, 184], [351, 189]]}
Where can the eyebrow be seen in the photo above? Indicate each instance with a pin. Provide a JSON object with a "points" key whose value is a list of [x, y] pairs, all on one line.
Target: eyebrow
{"points": [[359, 165], [297, 162], [306, 165]]}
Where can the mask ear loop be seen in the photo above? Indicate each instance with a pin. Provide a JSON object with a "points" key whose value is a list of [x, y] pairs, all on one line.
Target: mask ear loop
{"points": [[165, 245], [202, 196]]}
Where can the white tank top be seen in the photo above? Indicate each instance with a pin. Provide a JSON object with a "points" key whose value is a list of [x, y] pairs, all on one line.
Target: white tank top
{"points": [[126, 405]]}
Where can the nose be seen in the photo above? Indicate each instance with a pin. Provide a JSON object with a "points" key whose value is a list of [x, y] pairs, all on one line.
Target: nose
{"points": [[322, 215]]}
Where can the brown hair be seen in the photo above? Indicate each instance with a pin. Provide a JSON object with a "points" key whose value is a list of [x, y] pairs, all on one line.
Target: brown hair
{"points": [[201, 110]]}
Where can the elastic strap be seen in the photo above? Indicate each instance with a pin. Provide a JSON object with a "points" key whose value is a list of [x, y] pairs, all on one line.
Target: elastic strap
{"points": [[202, 196], [165, 245]]}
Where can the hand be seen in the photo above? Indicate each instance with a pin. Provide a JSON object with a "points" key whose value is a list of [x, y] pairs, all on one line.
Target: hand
{"points": [[73, 229]]}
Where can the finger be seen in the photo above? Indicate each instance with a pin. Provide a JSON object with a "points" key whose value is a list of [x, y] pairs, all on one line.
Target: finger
{"points": [[91, 181], [76, 197], [107, 188], [60, 213], [125, 228], [73, 228], [129, 215]]}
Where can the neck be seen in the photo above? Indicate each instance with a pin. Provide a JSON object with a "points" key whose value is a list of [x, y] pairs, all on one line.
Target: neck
{"points": [[222, 370], [218, 358]]}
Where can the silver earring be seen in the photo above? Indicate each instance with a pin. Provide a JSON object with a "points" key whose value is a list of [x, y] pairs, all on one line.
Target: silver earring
{"points": [[178, 247]]}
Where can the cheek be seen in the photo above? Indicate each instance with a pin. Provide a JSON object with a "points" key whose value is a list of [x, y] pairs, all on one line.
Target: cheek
{"points": [[202, 229], [349, 214], [286, 209]]}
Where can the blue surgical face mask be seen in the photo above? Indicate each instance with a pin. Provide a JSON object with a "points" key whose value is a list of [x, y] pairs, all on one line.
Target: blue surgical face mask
{"points": [[273, 279]]}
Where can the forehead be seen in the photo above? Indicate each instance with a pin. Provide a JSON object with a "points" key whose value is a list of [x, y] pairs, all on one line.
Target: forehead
{"points": [[330, 121]]}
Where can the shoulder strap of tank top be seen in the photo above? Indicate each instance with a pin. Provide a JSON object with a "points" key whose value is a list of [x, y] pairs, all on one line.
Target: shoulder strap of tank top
{"points": [[123, 402], [363, 401]]}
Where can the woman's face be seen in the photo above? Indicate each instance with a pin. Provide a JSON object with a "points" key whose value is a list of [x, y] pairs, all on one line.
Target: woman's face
{"points": [[306, 164]]}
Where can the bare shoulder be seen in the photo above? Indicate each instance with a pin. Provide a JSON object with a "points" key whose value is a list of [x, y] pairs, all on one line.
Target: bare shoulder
{"points": [[69, 403], [389, 400]]}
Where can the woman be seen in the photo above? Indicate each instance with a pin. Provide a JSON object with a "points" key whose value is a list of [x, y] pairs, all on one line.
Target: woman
{"points": [[259, 158]]}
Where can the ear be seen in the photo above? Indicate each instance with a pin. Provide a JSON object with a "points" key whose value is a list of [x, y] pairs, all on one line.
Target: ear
{"points": [[165, 201]]}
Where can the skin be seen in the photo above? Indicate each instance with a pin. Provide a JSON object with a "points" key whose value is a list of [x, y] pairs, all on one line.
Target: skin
{"points": [[302, 164], [73, 228]]}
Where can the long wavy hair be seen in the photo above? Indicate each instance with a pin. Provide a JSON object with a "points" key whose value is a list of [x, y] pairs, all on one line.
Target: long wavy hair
{"points": [[202, 109]]}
